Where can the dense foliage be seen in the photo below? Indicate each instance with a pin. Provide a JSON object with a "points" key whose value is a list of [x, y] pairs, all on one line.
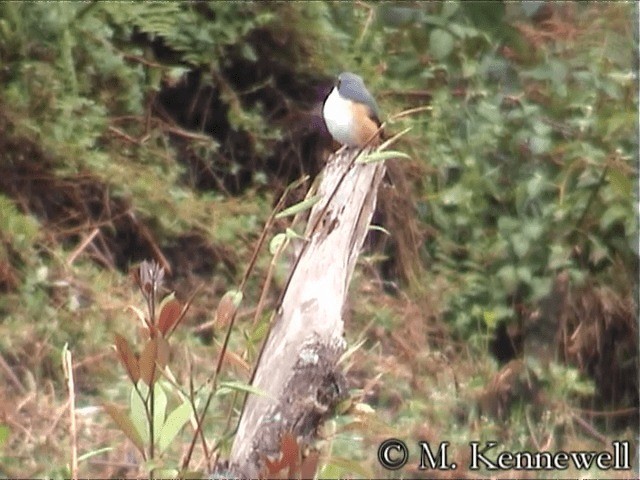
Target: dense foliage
{"points": [[533, 138]]}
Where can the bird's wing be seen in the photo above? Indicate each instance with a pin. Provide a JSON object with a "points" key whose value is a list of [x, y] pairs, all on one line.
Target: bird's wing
{"points": [[362, 95]]}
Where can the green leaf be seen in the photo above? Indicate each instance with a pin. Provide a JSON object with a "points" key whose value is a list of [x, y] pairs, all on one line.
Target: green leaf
{"points": [[613, 214], [381, 156], [507, 225], [419, 39], [536, 184], [456, 195], [531, 7], [276, 242], [340, 467], [503, 313], [166, 472], [259, 332], [620, 182], [235, 296], [487, 16], [138, 413], [292, 234], [509, 278], [533, 230], [4, 434], [159, 411], [440, 43], [559, 257], [539, 144], [174, 423], [378, 228], [598, 250], [449, 8], [393, 139], [248, 52], [175, 74], [190, 475], [299, 207], [540, 287], [93, 453], [394, 16], [524, 274], [353, 349], [520, 244], [227, 387], [490, 320]]}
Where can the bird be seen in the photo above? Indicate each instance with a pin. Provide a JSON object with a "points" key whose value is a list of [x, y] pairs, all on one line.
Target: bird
{"points": [[351, 113]]}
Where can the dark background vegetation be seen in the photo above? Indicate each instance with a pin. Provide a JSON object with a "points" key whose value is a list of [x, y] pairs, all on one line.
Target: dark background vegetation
{"points": [[169, 131]]}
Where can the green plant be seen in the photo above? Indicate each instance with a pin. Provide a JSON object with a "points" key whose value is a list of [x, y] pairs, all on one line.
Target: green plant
{"points": [[150, 424], [533, 153]]}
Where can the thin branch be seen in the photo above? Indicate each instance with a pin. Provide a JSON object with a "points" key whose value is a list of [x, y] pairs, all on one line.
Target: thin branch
{"points": [[411, 111], [68, 371], [11, 376], [80, 248], [589, 429], [221, 354]]}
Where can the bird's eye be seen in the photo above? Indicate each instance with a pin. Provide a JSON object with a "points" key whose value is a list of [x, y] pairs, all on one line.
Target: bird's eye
{"points": [[338, 83]]}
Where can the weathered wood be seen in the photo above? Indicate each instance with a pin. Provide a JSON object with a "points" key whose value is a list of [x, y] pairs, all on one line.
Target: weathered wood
{"points": [[297, 368]]}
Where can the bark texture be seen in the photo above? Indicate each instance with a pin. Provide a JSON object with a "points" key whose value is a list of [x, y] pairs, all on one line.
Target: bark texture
{"points": [[297, 368]]}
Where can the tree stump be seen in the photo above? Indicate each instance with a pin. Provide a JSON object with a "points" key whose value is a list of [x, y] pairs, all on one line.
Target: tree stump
{"points": [[297, 369]]}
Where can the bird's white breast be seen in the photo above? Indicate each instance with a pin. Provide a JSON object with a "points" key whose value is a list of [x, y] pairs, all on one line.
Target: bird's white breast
{"points": [[338, 117]]}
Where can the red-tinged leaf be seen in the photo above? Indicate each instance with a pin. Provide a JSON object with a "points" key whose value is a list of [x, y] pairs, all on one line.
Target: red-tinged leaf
{"points": [[224, 312], [233, 359], [127, 358], [147, 361], [290, 453], [170, 311], [227, 308], [272, 468], [153, 331], [183, 312], [135, 276], [163, 352], [126, 425], [289, 457], [310, 465]]}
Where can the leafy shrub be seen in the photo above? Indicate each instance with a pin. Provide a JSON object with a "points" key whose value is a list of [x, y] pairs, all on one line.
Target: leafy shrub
{"points": [[531, 135]]}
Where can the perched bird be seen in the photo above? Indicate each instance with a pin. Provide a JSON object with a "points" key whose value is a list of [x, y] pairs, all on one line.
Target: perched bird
{"points": [[351, 113]]}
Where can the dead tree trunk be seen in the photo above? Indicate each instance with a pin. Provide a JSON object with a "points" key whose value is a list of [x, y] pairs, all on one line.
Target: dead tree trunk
{"points": [[297, 368]]}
